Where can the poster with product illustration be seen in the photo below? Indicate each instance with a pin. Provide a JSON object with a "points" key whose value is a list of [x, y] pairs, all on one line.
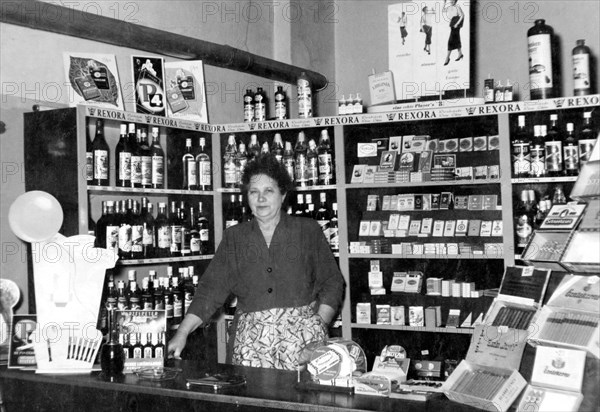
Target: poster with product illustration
{"points": [[148, 85], [429, 45], [184, 87], [93, 79]]}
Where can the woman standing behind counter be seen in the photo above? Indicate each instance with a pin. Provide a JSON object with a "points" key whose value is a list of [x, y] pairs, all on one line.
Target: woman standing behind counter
{"points": [[280, 268]]}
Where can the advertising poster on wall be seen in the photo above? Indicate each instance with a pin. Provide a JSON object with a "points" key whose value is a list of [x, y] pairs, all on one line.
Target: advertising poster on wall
{"points": [[186, 95], [429, 46]]}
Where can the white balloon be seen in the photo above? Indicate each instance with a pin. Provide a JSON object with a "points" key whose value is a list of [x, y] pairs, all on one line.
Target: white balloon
{"points": [[35, 216]]}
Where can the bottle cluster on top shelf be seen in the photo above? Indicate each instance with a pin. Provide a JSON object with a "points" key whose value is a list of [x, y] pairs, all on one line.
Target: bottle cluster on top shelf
{"points": [[173, 293], [307, 163], [197, 166], [552, 149], [138, 164], [134, 232], [256, 105]]}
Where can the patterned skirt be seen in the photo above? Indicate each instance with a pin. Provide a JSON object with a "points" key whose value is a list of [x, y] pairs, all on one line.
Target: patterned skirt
{"points": [[274, 338]]}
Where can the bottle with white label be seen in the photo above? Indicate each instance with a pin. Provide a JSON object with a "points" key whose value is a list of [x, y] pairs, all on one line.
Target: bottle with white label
{"points": [[571, 152], [101, 154], [123, 158], [553, 147], [248, 106], [539, 44], [304, 97], [581, 69], [158, 161], [260, 105], [537, 152], [280, 104], [587, 139], [521, 150]]}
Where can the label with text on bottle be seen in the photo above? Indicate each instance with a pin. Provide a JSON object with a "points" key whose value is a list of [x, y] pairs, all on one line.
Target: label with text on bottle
{"points": [[540, 61], [101, 164], [157, 170], [89, 166], [538, 161], [554, 159], [571, 156], [112, 238], [521, 159], [125, 165]]}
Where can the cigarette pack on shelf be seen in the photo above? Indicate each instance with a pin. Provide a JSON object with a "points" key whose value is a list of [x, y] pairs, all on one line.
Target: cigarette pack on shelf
{"points": [[582, 254], [556, 381], [570, 318], [488, 378], [520, 295]]}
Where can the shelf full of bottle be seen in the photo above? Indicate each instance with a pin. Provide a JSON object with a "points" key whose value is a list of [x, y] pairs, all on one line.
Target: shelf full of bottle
{"points": [[172, 293], [141, 234], [552, 146], [307, 156], [323, 209], [129, 157]]}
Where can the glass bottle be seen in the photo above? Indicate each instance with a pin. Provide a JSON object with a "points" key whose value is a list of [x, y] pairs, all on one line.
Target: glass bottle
{"points": [[325, 158], [89, 158], [587, 139], [163, 232], [101, 156], [323, 216], [571, 152], [195, 246], [229, 168], [135, 141], [176, 230], [123, 158], [158, 161], [553, 148], [300, 161], [137, 232], [304, 97], [112, 360], [581, 69], [260, 105], [299, 208], [203, 230], [521, 150], [558, 197], [248, 106], [188, 162], [280, 104], [288, 160], [253, 147], [204, 167], [148, 234], [312, 162], [241, 160], [231, 214], [523, 222], [124, 229], [146, 160], [334, 233], [538, 152], [539, 41], [277, 147], [185, 231]]}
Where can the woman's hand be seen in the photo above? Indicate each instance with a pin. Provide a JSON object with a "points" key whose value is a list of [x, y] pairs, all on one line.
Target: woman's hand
{"points": [[176, 345]]}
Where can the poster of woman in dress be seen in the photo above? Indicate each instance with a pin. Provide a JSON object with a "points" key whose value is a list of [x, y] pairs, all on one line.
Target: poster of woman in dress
{"points": [[429, 42]]}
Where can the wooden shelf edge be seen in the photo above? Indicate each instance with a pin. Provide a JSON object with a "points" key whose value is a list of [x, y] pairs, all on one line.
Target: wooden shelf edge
{"points": [[432, 256], [140, 191], [464, 331], [133, 262], [419, 184], [537, 180]]}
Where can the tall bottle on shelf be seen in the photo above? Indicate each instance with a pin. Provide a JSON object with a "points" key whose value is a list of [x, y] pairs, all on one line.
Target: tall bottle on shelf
{"points": [[521, 150], [148, 234], [300, 161], [571, 152], [203, 229], [204, 167], [280, 104], [158, 160], [241, 160], [137, 232], [248, 106], [288, 160], [524, 215], [325, 158], [89, 158], [232, 217], [124, 230], [553, 148], [188, 161], [539, 42], [101, 153], [176, 227], [253, 147], [581, 69], [334, 233], [538, 152], [112, 360], [323, 216], [229, 168], [587, 138], [123, 158], [260, 105], [312, 164], [277, 147], [146, 160], [305, 109], [163, 232], [185, 230], [135, 140]]}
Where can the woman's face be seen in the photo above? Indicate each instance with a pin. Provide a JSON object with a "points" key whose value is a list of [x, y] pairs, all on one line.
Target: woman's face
{"points": [[264, 197]]}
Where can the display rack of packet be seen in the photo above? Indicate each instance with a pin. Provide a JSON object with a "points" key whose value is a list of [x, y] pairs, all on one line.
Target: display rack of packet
{"points": [[556, 381], [581, 254], [520, 295], [389, 370], [488, 378], [570, 318]]}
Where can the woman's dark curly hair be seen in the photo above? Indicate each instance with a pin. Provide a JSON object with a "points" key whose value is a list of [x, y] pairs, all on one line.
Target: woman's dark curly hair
{"points": [[267, 164]]}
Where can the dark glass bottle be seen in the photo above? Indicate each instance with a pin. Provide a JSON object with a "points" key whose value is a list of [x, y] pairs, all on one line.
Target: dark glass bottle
{"points": [[124, 216], [203, 230], [260, 105], [204, 167], [146, 160], [323, 215], [137, 232], [248, 106], [148, 234], [158, 161], [553, 147], [325, 158], [232, 217], [89, 158], [185, 230], [188, 161], [123, 158], [253, 147], [587, 138], [571, 152], [277, 147], [176, 226], [163, 232], [300, 161], [541, 76], [135, 141], [101, 153], [312, 162], [537, 152], [280, 104], [521, 157], [112, 359], [334, 234]]}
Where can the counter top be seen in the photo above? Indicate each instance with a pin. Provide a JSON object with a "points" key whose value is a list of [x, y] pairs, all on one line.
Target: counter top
{"points": [[265, 389]]}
